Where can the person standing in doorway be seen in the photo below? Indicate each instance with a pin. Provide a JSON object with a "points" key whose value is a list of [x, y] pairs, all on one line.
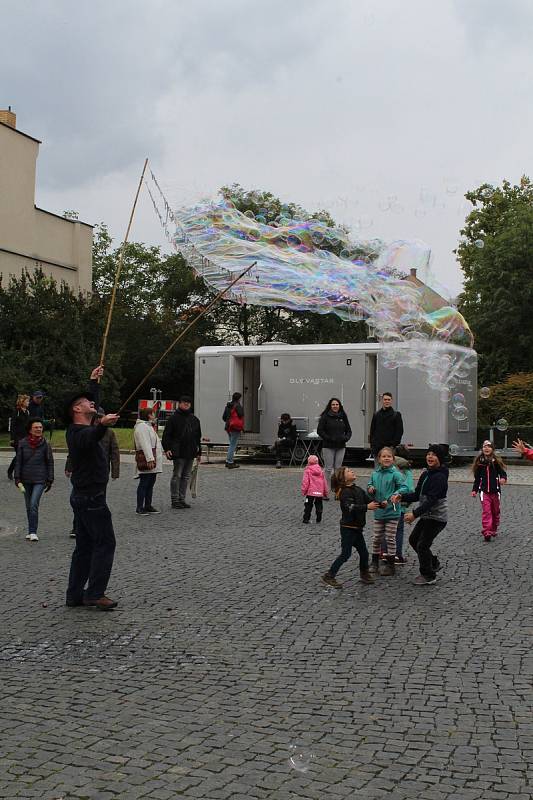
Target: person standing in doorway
{"points": [[233, 417], [182, 439], [334, 430], [386, 428], [92, 559]]}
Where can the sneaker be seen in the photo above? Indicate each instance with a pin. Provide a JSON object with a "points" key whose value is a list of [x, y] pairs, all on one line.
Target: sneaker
{"points": [[103, 603], [329, 580], [151, 510], [232, 465], [366, 576], [28, 535], [183, 504], [305, 521], [278, 464], [420, 580], [487, 537], [141, 511], [33, 537], [400, 560], [74, 603]]}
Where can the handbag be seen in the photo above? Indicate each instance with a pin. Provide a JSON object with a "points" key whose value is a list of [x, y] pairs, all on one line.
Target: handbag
{"points": [[141, 462]]}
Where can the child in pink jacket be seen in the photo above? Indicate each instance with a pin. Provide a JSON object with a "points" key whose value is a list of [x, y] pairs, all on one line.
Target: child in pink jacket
{"points": [[314, 489]]}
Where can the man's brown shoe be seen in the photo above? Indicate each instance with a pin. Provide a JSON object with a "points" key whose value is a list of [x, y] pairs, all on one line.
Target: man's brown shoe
{"points": [[366, 576], [103, 603]]}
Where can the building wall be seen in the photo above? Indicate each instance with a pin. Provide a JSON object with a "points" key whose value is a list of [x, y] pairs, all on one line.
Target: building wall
{"points": [[31, 237]]}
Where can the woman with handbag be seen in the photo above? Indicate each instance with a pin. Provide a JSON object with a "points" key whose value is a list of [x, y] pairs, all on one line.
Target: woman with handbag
{"points": [[148, 460], [233, 417]]}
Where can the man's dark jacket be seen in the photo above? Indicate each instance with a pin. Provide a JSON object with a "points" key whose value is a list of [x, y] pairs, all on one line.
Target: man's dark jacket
{"points": [[182, 435], [386, 429]]}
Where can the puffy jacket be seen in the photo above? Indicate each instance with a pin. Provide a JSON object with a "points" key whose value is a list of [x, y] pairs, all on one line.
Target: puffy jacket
{"points": [[487, 476], [354, 502], [431, 491], [34, 464], [334, 430], [314, 483], [387, 481], [407, 472]]}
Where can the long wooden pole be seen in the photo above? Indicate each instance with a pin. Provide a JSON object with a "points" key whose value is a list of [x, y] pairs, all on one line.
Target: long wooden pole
{"points": [[191, 324], [119, 269]]}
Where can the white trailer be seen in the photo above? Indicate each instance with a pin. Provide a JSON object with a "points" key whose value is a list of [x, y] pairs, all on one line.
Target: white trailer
{"points": [[300, 379]]}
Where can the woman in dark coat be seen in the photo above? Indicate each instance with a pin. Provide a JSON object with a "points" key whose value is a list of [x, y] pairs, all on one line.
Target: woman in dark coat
{"points": [[334, 430], [34, 472], [19, 421]]}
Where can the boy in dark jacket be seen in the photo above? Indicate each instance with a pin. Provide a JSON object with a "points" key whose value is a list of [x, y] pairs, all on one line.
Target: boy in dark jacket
{"points": [[432, 512], [354, 504], [286, 439]]}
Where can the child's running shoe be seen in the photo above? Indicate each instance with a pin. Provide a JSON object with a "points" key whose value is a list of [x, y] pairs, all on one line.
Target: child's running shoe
{"points": [[420, 580], [329, 580], [400, 560]]}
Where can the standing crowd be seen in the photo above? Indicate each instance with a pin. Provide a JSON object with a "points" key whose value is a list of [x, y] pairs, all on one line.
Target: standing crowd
{"points": [[93, 456]]}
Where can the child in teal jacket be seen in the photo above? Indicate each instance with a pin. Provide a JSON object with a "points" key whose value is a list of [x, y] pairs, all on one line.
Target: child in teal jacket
{"points": [[385, 481]]}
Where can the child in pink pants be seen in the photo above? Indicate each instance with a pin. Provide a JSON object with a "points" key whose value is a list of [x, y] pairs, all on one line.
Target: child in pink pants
{"points": [[489, 475]]}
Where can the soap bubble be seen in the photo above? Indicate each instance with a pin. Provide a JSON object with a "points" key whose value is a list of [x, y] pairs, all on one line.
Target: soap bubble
{"points": [[487, 192], [480, 244], [460, 413], [484, 392], [502, 424], [297, 270], [454, 449], [458, 399], [300, 758]]}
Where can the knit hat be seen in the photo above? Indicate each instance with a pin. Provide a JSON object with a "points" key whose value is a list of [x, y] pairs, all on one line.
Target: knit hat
{"points": [[439, 450], [312, 460]]}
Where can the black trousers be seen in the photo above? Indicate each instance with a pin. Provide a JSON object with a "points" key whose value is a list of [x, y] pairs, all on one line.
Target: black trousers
{"points": [[92, 559], [421, 539], [350, 538], [308, 505]]}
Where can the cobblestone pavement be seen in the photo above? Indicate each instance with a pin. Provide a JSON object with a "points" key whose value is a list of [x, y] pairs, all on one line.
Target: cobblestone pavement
{"points": [[225, 652]]}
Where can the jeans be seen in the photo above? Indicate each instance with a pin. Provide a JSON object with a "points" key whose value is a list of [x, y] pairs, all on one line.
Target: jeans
{"points": [[332, 458], [179, 481], [350, 538], [32, 498], [421, 539], [145, 490], [233, 440], [92, 559], [308, 507]]}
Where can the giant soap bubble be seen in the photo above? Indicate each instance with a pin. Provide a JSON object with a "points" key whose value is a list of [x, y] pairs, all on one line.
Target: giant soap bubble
{"points": [[296, 270]]}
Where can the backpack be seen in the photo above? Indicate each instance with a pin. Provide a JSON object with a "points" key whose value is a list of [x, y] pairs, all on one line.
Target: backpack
{"points": [[235, 423]]}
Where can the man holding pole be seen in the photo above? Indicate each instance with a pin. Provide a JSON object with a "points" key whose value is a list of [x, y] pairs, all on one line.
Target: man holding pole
{"points": [[92, 559]]}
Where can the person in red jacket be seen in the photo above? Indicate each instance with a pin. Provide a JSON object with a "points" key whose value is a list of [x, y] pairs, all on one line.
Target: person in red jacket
{"points": [[314, 489], [524, 448]]}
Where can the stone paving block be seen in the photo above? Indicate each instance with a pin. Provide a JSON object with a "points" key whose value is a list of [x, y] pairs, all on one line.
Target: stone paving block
{"points": [[225, 651]]}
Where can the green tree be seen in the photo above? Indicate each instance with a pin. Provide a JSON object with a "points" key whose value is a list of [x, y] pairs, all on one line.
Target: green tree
{"points": [[496, 257]]}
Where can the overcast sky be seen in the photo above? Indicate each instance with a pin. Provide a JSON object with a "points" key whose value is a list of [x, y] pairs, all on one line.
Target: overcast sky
{"points": [[384, 112]]}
